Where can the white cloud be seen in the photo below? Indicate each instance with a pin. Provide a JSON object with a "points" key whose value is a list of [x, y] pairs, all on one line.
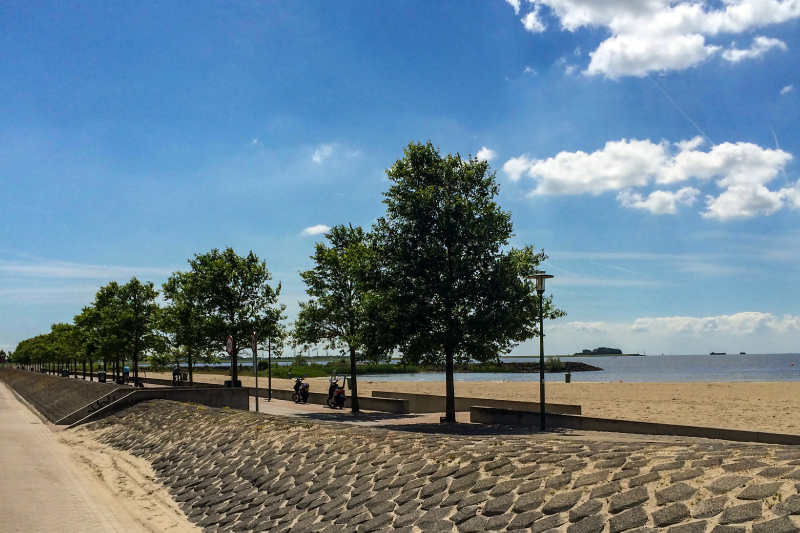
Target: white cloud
{"points": [[532, 22], [760, 46], [658, 202], [323, 152], [485, 154], [589, 327], [570, 69], [529, 70], [316, 230], [657, 35], [60, 269], [515, 5], [637, 55], [786, 90], [743, 201], [737, 324], [742, 170]]}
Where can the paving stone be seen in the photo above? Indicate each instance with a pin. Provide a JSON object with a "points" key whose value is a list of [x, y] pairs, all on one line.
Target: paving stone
{"points": [[775, 471], [591, 479], [741, 513], [475, 524], [590, 524], [504, 487], [680, 492], [778, 525], [741, 466], [604, 491], [465, 483], [708, 463], [435, 488], [760, 491], [727, 484], [663, 467], [523, 520], [628, 520], [433, 501], [464, 514], [677, 512], [628, 499], [434, 515], [558, 482], [686, 474], [709, 507], [625, 474], [560, 502], [408, 519], [530, 501], [790, 506], [497, 506], [610, 463], [728, 529], [644, 479], [473, 499], [497, 522], [548, 522], [585, 509], [692, 527]]}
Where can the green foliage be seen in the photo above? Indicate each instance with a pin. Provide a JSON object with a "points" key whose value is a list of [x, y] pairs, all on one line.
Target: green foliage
{"points": [[554, 364], [459, 292], [300, 360], [234, 295]]}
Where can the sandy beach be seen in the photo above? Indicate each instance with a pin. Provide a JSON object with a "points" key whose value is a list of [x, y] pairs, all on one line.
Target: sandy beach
{"points": [[773, 407]]}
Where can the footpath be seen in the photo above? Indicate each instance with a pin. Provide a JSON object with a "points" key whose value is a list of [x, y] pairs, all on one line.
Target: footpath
{"points": [[40, 490]]}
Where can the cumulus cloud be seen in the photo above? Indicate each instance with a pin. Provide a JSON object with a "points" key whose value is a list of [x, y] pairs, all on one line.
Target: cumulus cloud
{"points": [[515, 5], [319, 229], [786, 90], [532, 22], [485, 154], [323, 152], [736, 324], [657, 35], [658, 202], [741, 169], [760, 46]]}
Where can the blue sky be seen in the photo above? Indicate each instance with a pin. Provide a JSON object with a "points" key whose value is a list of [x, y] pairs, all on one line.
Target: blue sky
{"points": [[650, 148]]}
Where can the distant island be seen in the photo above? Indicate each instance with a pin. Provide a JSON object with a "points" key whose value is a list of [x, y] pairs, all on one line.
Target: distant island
{"points": [[601, 351], [717, 353]]}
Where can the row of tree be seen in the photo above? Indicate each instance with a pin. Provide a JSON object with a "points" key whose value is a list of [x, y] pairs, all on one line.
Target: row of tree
{"points": [[435, 280]]}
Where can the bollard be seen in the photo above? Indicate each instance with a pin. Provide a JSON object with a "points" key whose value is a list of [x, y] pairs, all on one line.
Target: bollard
{"points": [[567, 377]]}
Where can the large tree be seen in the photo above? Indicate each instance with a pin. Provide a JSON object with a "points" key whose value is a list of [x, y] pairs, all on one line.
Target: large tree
{"points": [[343, 301], [138, 319], [183, 320], [461, 292], [235, 294]]}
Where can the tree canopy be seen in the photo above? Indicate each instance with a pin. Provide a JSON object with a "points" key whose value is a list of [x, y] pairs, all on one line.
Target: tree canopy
{"points": [[460, 291]]}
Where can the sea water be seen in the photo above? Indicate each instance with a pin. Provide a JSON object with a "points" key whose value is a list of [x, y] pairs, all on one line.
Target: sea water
{"points": [[651, 368]]}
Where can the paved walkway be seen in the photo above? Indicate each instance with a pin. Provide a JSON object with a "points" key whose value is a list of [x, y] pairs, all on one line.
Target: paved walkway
{"points": [[39, 489]]}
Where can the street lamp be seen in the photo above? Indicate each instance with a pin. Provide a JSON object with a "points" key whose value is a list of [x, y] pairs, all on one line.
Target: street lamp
{"points": [[540, 277]]}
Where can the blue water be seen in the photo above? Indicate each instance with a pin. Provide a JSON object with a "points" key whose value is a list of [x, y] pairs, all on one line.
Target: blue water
{"points": [[651, 368]]}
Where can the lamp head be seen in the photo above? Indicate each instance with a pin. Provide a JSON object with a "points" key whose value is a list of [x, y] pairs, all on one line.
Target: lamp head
{"points": [[540, 277]]}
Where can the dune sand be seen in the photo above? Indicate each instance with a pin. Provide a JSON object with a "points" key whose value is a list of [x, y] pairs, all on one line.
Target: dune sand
{"points": [[773, 407]]}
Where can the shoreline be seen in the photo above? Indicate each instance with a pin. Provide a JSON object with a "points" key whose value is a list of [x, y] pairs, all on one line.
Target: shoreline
{"points": [[755, 406]]}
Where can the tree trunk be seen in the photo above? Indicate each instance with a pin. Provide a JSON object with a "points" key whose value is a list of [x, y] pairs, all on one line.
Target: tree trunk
{"points": [[91, 369], [353, 381], [234, 364], [189, 363], [450, 389]]}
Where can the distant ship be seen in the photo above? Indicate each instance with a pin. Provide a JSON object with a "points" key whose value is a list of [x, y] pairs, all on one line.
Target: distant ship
{"points": [[742, 353], [717, 353]]}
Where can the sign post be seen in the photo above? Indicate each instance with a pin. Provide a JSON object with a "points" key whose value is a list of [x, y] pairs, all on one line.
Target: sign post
{"points": [[234, 373], [255, 364], [269, 372]]}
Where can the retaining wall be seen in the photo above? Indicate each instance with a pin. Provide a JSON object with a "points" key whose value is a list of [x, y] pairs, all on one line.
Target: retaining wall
{"points": [[512, 417], [431, 403], [397, 406], [212, 397]]}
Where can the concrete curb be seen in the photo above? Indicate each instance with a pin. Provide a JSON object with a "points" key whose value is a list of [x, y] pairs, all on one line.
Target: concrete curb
{"points": [[432, 403], [512, 417]]}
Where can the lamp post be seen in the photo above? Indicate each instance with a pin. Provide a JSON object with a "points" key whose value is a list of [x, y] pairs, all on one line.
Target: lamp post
{"points": [[540, 277]]}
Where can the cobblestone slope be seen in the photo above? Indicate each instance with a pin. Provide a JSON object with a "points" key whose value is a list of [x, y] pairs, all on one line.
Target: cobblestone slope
{"points": [[236, 471], [55, 397]]}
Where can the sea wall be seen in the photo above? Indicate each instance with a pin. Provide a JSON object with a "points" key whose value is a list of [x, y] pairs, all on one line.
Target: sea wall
{"points": [[431, 403], [56, 397], [239, 471]]}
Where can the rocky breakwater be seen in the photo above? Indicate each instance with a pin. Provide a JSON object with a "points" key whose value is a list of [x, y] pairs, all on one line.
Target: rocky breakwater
{"points": [[238, 471]]}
